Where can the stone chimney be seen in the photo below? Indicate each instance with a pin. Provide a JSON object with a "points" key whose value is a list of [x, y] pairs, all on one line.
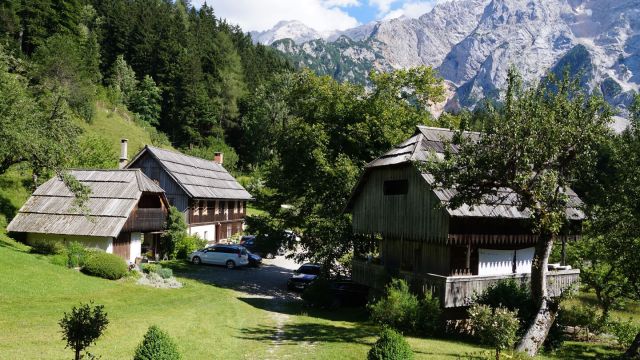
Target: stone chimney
{"points": [[124, 160], [218, 157]]}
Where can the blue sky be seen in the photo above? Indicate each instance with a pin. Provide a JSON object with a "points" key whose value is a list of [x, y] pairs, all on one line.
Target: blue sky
{"points": [[322, 15]]}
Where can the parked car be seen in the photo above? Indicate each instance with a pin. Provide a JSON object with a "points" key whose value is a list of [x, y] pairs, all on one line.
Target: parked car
{"points": [[348, 293], [261, 245], [230, 256], [255, 260], [304, 276]]}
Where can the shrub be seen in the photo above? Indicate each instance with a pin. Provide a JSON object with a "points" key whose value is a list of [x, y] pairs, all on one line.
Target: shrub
{"points": [[390, 346], [318, 294], [165, 273], [583, 317], [60, 259], [46, 246], [150, 268], [430, 320], [156, 345], [108, 266], [83, 326], [398, 308], [186, 245], [625, 332], [76, 254], [494, 327], [511, 295]]}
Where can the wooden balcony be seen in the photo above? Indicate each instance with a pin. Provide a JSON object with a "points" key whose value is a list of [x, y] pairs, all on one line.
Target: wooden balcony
{"points": [[457, 291], [146, 219]]}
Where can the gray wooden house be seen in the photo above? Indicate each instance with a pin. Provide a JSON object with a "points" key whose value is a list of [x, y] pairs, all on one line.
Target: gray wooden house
{"points": [[453, 252], [212, 200], [125, 208]]}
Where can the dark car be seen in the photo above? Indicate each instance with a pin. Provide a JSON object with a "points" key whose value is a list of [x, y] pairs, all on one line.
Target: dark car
{"points": [[348, 293], [303, 277], [255, 260], [260, 245]]}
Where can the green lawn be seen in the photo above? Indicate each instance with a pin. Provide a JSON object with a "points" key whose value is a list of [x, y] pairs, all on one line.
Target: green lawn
{"points": [[208, 322]]}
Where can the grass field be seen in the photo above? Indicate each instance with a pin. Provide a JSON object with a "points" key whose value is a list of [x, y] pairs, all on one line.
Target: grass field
{"points": [[207, 322]]}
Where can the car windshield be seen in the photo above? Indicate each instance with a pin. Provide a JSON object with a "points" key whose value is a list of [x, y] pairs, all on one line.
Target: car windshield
{"points": [[309, 270], [243, 251]]}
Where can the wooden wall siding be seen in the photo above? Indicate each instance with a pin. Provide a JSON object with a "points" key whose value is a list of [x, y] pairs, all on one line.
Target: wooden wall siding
{"points": [[150, 167], [415, 216], [196, 214], [457, 291], [415, 256], [122, 245], [146, 219]]}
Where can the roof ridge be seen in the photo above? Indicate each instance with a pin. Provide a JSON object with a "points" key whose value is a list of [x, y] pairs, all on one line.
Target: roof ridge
{"points": [[181, 154]]}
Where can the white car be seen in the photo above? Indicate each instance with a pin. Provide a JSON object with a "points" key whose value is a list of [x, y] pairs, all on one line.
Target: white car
{"points": [[230, 256]]}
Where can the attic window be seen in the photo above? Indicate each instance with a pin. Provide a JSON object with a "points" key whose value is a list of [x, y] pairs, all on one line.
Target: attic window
{"points": [[396, 187]]}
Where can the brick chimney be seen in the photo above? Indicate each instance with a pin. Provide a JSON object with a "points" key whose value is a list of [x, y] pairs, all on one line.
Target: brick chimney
{"points": [[124, 160], [218, 157]]}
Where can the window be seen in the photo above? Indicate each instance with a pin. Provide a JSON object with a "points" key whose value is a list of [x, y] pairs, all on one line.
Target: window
{"points": [[396, 187], [225, 207], [228, 231], [235, 208], [205, 235], [205, 208], [241, 203], [217, 209]]}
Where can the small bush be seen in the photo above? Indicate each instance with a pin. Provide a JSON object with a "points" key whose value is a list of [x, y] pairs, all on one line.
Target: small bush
{"points": [[60, 259], [625, 332], [494, 327], [108, 266], [165, 273], [584, 318], [76, 254], [150, 268], [157, 345], [186, 245], [511, 295], [82, 327], [390, 346], [318, 294], [398, 308], [46, 246], [430, 320]]}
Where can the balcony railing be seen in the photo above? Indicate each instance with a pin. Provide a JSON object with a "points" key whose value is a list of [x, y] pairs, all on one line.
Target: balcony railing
{"points": [[457, 291], [146, 219]]}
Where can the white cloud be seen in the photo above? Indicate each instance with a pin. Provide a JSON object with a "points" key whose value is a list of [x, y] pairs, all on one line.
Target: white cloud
{"points": [[384, 6], [322, 15], [412, 9]]}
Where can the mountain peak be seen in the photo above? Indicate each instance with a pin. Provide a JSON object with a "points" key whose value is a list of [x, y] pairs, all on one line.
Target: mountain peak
{"points": [[286, 29]]}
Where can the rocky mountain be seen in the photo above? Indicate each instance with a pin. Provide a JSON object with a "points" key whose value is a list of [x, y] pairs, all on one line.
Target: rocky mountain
{"points": [[473, 42], [293, 29]]}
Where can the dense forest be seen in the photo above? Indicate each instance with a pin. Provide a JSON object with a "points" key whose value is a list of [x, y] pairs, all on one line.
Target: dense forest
{"points": [[180, 69]]}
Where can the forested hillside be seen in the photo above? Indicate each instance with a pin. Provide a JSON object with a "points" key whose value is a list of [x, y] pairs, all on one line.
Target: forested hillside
{"points": [[179, 69]]}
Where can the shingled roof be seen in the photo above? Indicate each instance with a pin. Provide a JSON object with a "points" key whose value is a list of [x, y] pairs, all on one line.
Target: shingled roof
{"points": [[114, 194], [199, 178], [430, 140]]}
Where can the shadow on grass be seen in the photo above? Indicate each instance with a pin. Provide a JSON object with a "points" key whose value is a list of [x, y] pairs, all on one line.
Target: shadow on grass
{"points": [[580, 351], [294, 334], [355, 315]]}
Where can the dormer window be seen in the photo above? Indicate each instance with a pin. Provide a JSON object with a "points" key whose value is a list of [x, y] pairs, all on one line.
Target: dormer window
{"points": [[396, 187]]}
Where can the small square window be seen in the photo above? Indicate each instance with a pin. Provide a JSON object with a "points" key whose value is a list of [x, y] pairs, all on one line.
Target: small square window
{"points": [[396, 187]]}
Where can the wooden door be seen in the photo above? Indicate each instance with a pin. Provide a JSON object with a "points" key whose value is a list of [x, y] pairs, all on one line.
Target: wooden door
{"points": [[122, 245]]}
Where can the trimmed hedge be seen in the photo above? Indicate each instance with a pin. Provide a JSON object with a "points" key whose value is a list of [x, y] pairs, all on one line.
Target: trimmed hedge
{"points": [[105, 265], [390, 346], [157, 345]]}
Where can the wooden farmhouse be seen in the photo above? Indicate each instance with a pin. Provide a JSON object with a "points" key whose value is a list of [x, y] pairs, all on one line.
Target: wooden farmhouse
{"points": [[452, 252], [213, 202], [125, 209]]}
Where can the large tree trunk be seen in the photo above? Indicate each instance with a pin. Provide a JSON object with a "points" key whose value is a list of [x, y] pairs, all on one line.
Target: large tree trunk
{"points": [[537, 332], [634, 350]]}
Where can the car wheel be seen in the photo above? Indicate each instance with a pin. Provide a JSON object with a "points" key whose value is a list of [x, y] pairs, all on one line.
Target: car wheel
{"points": [[230, 264], [196, 260]]}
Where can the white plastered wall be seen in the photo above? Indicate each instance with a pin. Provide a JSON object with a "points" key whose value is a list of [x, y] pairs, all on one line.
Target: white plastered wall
{"points": [[135, 249], [202, 230], [99, 242]]}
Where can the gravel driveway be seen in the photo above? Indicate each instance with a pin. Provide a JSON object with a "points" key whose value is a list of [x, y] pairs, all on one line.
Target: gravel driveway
{"points": [[268, 280]]}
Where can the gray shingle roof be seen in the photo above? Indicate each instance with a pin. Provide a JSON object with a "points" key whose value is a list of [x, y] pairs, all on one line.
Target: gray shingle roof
{"points": [[199, 178], [429, 140], [114, 194]]}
